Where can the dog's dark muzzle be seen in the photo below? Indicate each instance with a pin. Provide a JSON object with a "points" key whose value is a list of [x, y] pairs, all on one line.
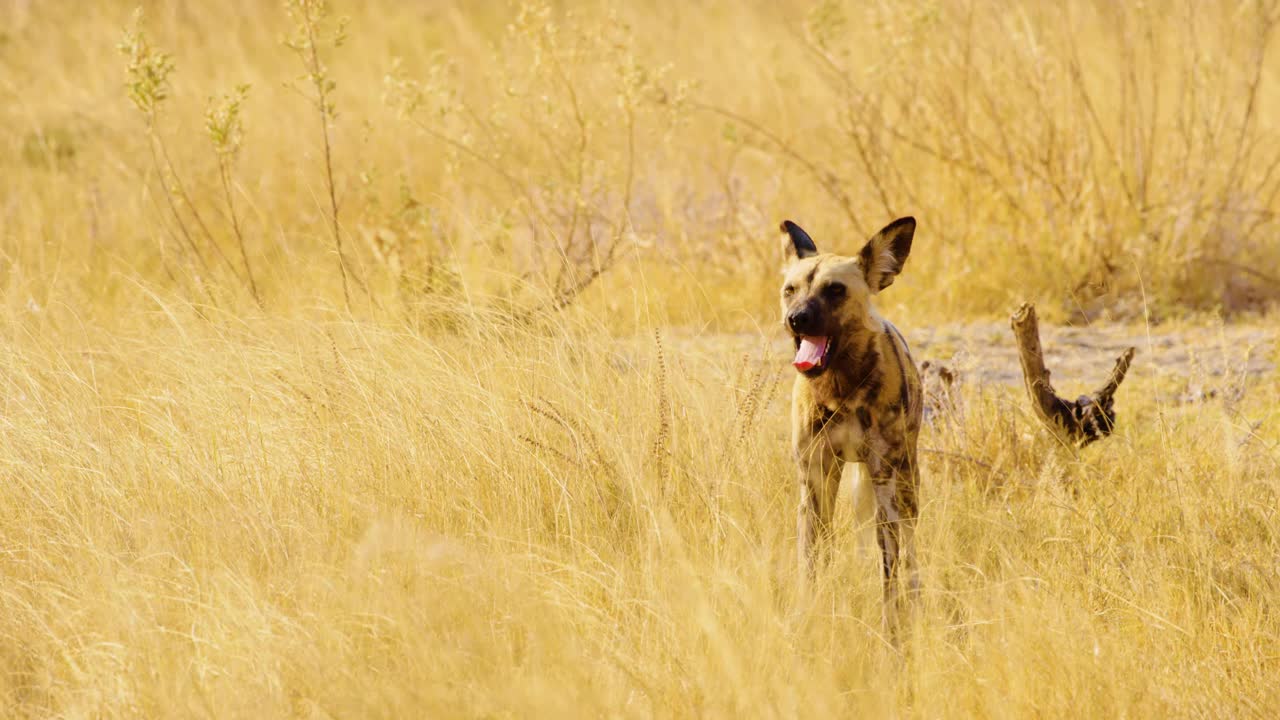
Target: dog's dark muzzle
{"points": [[805, 320]]}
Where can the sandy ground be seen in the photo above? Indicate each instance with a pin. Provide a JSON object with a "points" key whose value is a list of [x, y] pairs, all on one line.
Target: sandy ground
{"points": [[1085, 354], [1186, 363]]}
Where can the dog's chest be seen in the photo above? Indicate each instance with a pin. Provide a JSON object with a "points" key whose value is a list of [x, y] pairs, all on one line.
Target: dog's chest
{"points": [[850, 430]]}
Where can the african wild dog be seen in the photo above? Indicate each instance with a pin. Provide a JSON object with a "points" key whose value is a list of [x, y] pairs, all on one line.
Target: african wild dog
{"points": [[857, 398]]}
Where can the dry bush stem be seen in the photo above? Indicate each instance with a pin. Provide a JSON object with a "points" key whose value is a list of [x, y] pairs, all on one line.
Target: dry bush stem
{"points": [[824, 178], [224, 173], [315, 70], [183, 230], [195, 213]]}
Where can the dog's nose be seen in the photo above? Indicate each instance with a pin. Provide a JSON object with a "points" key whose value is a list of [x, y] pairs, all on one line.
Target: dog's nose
{"points": [[800, 320]]}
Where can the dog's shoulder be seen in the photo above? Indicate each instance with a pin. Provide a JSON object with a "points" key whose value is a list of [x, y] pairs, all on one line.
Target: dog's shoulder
{"points": [[910, 395]]}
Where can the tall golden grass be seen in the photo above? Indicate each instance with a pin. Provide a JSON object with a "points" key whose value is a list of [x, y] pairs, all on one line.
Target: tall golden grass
{"points": [[400, 384]]}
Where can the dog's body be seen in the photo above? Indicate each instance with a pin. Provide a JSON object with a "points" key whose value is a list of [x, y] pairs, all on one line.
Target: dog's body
{"points": [[858, 396]]}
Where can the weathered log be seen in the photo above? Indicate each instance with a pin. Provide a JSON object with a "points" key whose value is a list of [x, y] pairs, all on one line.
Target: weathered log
{"points": [[1089, 417]]}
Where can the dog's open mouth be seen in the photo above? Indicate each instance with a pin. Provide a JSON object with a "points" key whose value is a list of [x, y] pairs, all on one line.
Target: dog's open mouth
{"points": [[811, 352]]}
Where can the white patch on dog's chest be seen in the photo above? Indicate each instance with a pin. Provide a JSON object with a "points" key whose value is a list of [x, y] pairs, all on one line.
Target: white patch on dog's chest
{"points": [[852, 442], [848, 437]]}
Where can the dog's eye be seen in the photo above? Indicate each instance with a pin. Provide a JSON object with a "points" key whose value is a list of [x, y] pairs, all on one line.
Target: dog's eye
{"points": [[788, 291], [834, 291]]}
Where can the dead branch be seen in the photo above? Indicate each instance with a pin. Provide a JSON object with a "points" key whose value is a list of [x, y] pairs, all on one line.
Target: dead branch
{"points": [[1088, 417]]}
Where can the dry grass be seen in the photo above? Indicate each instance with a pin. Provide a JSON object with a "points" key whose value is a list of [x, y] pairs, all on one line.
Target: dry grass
{"points": [[500, 479]]}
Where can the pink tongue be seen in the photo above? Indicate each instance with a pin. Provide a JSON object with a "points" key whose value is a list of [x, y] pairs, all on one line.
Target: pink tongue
{"points": [[812, 350]]}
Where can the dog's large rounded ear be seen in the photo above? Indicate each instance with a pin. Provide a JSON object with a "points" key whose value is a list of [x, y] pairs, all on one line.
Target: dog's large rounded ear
{"points": [[884, 255], [797, 245]]}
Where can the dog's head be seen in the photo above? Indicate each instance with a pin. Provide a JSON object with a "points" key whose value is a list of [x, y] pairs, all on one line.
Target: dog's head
{"points": [[826, 297]]}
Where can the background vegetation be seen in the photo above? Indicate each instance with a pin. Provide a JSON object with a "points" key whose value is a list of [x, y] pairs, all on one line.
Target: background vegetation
{"points": [[373, 360]]}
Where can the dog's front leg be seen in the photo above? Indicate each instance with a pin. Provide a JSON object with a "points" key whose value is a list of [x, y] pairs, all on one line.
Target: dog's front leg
{"points": [[819, 480], [895, 485]]}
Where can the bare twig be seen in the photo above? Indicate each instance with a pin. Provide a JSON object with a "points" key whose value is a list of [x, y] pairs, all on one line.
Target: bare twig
{"points": [[825, 178], [322, 93], [224, 126], [224, 172], [1273, 280], [310, 15], [958, 456]]}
